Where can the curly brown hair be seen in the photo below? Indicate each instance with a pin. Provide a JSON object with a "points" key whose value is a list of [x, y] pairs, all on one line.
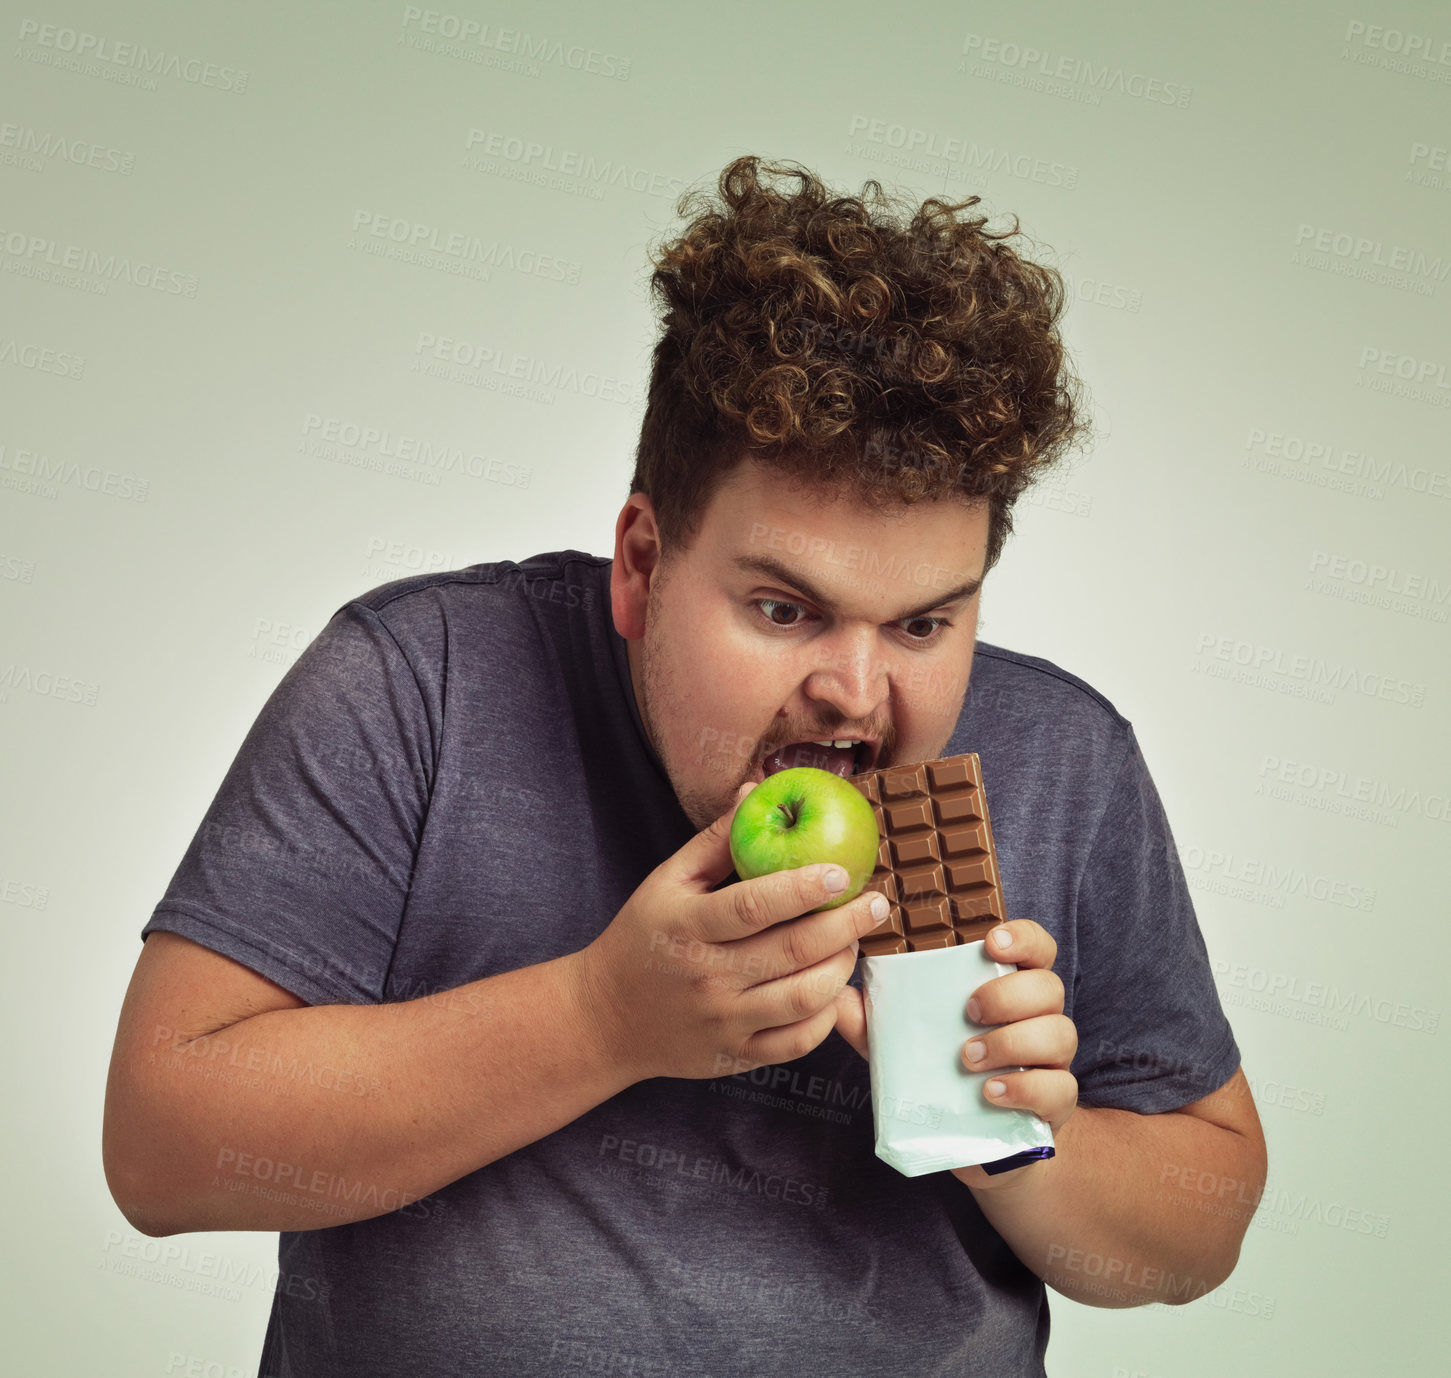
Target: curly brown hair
{"points": [[847, 346]]}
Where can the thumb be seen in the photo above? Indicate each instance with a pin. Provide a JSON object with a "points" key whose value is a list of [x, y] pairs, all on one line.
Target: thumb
{"points": [[851, 1018], [705, 860]]}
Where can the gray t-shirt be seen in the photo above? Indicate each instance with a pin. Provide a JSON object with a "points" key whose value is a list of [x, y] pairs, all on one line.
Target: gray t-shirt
{"points": [[453, 781]]}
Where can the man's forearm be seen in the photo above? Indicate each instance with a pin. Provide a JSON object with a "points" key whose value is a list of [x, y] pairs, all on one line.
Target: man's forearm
{"points": [[303, 1118], [1121, 1215]]}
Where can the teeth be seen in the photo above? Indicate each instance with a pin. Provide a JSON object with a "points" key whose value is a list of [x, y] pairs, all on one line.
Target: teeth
{"points": [[830, 742]]}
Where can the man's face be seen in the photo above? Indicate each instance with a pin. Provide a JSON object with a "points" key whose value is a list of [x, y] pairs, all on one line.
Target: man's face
{"points": [[796, 617]]}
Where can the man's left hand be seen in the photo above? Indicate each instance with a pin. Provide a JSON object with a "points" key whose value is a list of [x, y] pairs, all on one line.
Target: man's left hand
{"points": [[1024, 1026]]}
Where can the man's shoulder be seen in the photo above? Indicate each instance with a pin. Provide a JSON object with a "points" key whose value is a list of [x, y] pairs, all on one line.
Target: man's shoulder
{"points": [[559, 598], [1053, 747], [1010, 683], [1032, 718], [544, 591], [534, 577]]}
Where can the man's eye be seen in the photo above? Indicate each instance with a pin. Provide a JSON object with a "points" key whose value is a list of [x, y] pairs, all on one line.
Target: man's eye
{"points": [[770, 607], [935, 626]]}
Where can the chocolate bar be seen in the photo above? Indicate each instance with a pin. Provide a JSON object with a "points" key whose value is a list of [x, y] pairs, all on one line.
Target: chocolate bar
{"points": [[936, 863]]}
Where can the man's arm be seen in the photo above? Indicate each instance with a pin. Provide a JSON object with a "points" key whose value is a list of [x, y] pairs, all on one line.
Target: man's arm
{"points": [[1136, 1208], [1118, 1216], [1131, 1208], [227, 1111], [304, 1117]]}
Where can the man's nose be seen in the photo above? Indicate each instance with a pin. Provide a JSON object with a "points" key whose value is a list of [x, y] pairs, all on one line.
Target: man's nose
{"points": [[852, 678]]}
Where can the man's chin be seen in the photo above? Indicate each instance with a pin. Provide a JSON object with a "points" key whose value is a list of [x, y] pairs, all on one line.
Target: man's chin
{"points": [[703, 810]]}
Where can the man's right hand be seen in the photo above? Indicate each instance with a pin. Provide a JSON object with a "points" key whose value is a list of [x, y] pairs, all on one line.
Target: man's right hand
{"points": [[690, 981]]}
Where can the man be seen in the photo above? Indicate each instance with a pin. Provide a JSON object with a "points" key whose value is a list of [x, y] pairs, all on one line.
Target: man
{"points": [[451, 987]]}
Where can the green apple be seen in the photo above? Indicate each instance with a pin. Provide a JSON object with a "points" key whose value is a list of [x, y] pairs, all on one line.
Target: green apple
{"points": [[801, 816]]}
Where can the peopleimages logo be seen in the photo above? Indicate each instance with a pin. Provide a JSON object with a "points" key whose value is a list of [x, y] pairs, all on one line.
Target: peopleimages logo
{"points": [[23, 894], [1437, 166], [1343, 253], [1302, 676], [64, 149], [1409, 48], [25, 251], [1276, 1208], [1341, 469], [388, 557], [657, 1163], [1101, 293], [17, 568], [1023, 58], [924, 151], [1336, 790], [341, 440], [1404, 375], [1375, 585], [41, 358], [200, 1271], [49, 474], [1274, 882], [760, 1290], [1315, 1002], [564, 169], [47, 684], [413, 241], [451, 35], [462, 360], [95, 55]]}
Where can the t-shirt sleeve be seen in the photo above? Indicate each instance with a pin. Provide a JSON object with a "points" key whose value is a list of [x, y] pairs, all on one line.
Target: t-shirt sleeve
{"points": [[1152, 1034], [301, 866]]}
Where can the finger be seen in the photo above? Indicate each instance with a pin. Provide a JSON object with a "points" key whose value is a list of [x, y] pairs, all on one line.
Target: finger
{"points": [[1051, 1095], [1050, 1040], [851, 1018], [703, 862], [751, 906], [1023, 942], [790, 1041], [790, 999], [1018, 995], [795, 944]]}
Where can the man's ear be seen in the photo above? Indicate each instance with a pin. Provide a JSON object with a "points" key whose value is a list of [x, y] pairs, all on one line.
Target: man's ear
{"points": [[637, 556]]}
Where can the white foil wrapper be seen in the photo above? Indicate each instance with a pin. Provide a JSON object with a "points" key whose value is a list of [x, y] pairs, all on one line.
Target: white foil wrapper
{"points": [[928, 1109]]}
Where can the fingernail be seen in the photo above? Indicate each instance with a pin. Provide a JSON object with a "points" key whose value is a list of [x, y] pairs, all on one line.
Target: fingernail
{"points": [[1004, 936], [879, 907], [856, 948], [834, 880], [974, 1010], [976, 1051], [996, 1088]]}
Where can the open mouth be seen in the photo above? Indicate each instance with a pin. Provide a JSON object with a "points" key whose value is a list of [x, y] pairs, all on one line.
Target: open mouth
{"points": [[841, 756]]}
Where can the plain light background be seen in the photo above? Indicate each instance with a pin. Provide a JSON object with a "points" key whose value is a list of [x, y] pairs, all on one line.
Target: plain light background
{"points": [[1253, 207]]}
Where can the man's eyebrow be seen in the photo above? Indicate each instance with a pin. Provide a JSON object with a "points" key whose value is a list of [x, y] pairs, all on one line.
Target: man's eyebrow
{"points": [[783, 574]]}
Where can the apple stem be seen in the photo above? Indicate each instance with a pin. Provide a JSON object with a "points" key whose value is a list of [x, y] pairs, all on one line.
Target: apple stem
{"points": [[790, 813]]}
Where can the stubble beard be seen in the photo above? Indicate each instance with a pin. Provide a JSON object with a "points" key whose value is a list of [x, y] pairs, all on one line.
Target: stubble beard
{"points": [[659, 689]]}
